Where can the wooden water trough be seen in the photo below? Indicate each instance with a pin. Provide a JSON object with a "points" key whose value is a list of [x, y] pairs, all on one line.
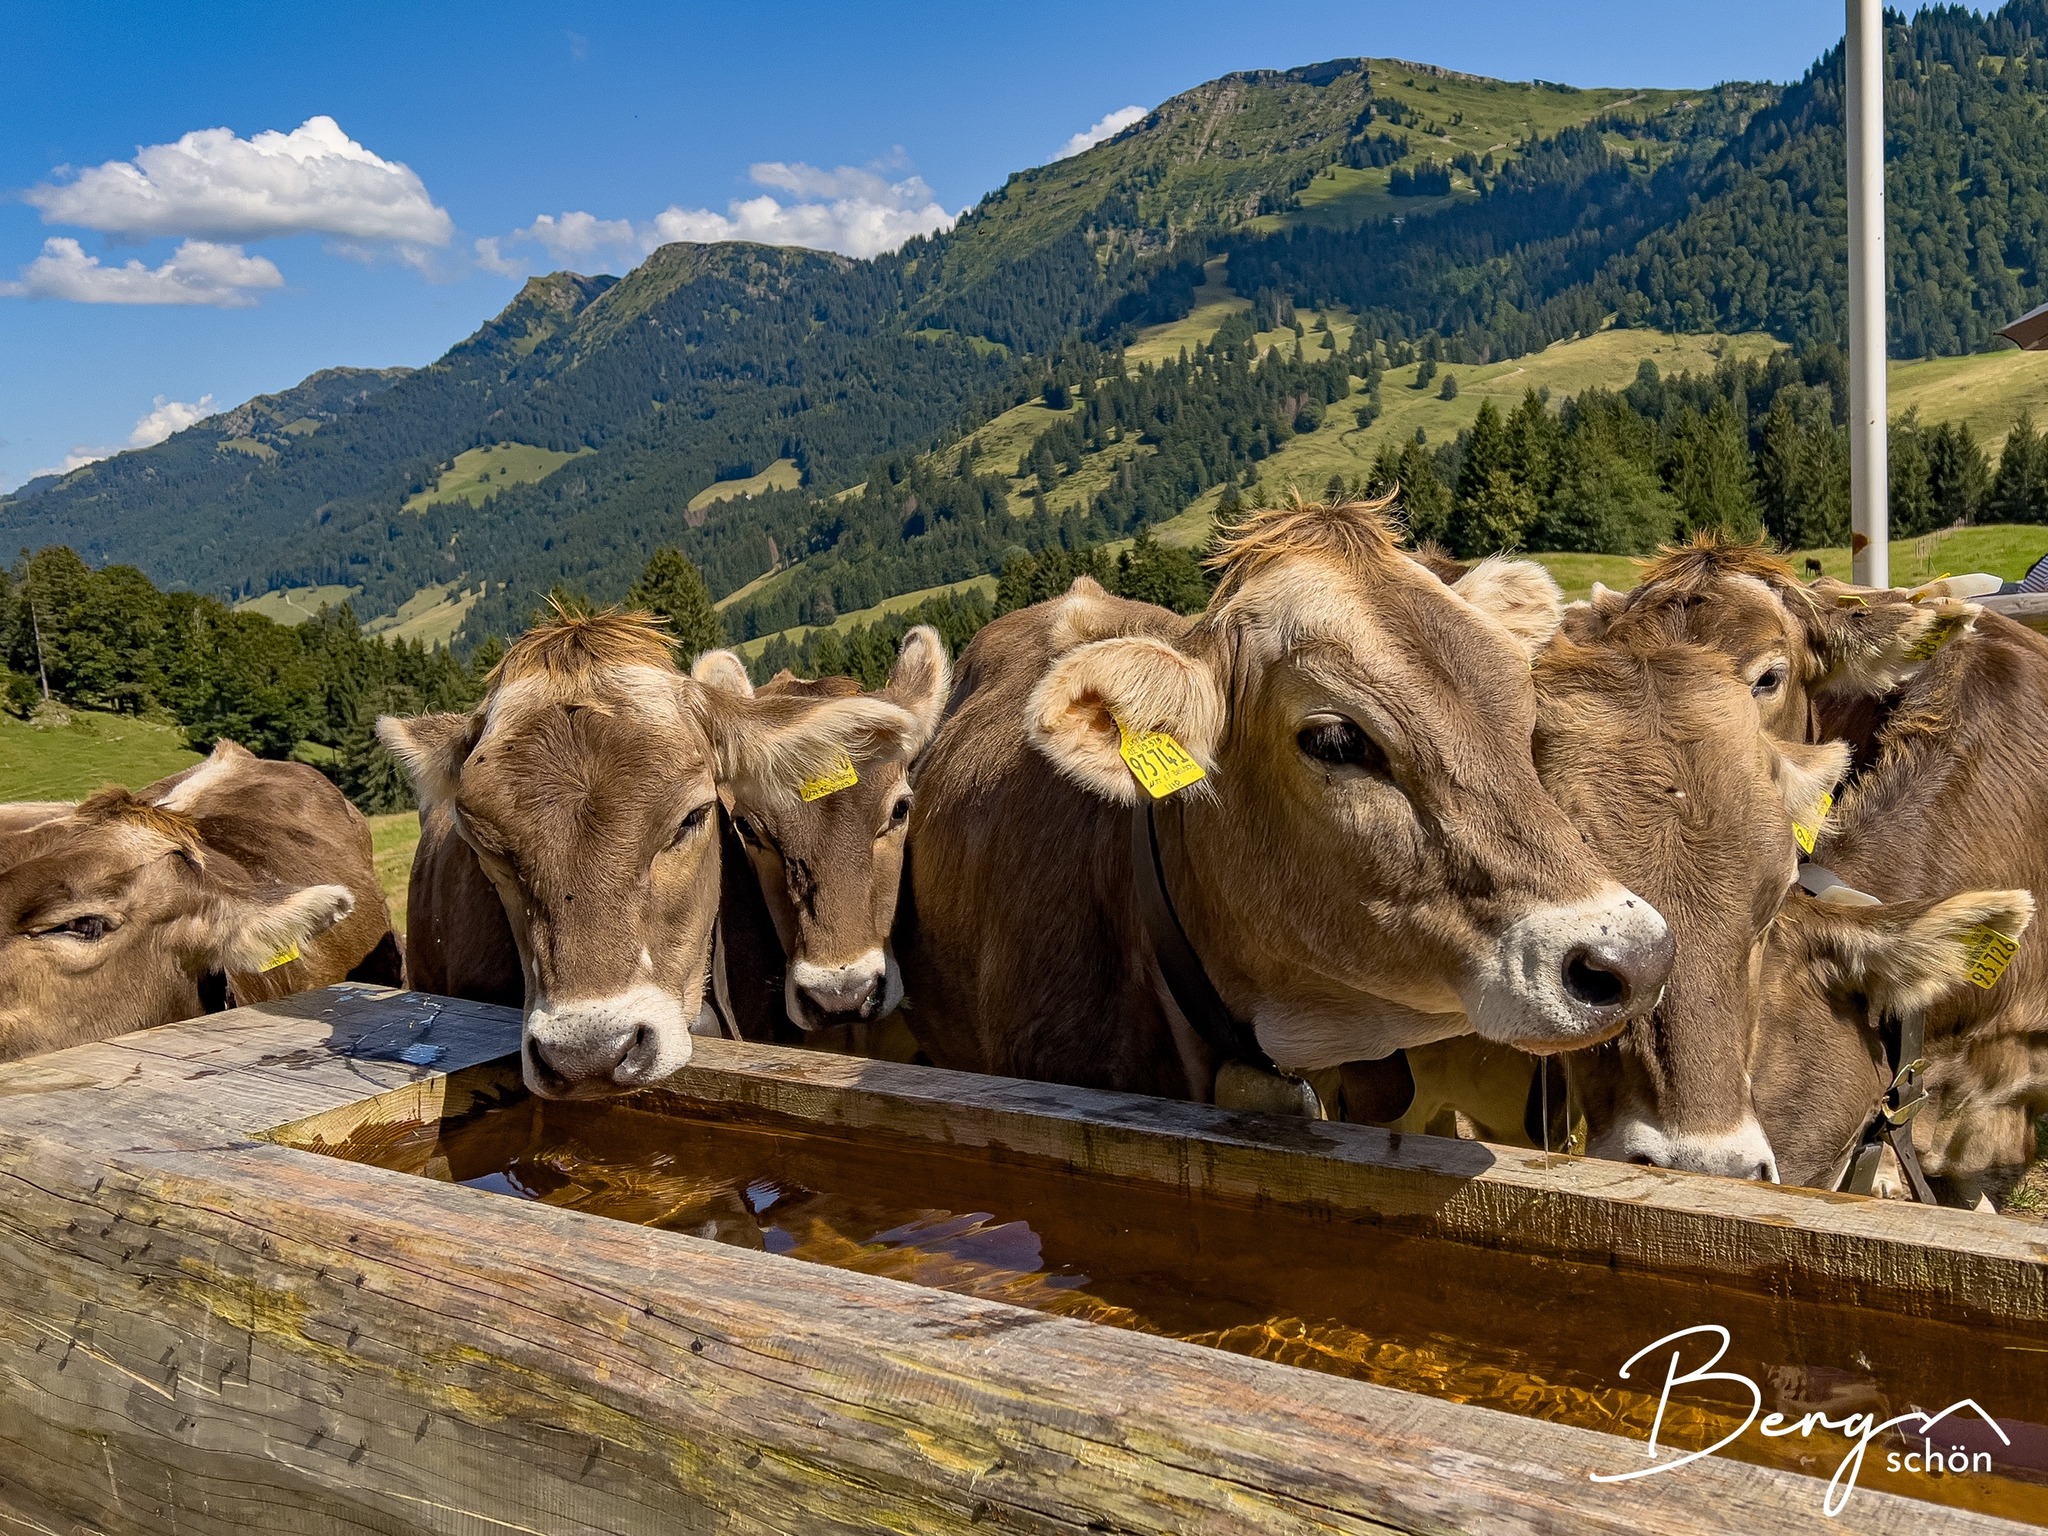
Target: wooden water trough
{"points": [[207, 1327]]}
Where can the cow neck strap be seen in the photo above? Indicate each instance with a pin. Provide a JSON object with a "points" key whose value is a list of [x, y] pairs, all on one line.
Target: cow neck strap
{"points": [[1228, 1037], [1892, 1119]]}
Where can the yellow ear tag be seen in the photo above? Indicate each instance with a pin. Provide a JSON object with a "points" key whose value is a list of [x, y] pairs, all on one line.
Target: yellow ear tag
{"points": [[1808, 836], [1989, 953], [1939, 633], [284, 956], [1157, 761], [839, 776], [1851, 600]]}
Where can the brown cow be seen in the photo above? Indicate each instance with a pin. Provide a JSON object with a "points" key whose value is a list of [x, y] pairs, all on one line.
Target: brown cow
{"points": [[1794, 645], [232, 882], [1655, 748], [1370, 852], [582, 792], [1944, 707], [829, 867]]}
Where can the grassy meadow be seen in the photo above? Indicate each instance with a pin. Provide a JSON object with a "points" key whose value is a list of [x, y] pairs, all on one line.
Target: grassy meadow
{"points": [[782, 475], [392, 840], [67, 754], [295, 605], [478, 474]]}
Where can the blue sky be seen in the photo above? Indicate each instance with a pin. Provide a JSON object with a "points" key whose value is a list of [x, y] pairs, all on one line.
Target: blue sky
{"points": [[199, 204]]}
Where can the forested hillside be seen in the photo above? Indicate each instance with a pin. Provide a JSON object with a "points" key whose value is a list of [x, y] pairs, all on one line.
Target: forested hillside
{"points": [[1015, 387]]}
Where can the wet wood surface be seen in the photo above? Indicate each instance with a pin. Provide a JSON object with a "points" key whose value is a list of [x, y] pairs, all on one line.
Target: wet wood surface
{"points": [[206, 1329]]}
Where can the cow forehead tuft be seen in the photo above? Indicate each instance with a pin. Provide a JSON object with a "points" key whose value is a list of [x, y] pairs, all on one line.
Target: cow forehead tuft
{"points": [[580, 646], [655, 694], [116, 807]]}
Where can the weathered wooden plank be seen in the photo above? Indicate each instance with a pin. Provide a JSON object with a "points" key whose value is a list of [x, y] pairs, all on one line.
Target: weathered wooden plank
{"points": [[422, 1356], [2018, 605], [208, 1332]]}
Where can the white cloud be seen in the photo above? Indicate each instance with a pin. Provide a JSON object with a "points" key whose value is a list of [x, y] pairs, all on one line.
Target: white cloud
{"points": [[167, 416], [164, 417], [1108, 128], [576, 236], [853, 210], [198, 272], [211, 185]]}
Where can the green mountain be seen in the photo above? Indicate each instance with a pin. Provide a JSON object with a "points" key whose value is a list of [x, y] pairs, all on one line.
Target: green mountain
{"points": [[912, 421]]}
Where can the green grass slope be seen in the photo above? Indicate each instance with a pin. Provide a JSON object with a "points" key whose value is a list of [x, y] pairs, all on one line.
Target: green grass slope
{"points": [[1985, 391], [782, 475], [70, 753], [295, 605], [476, 474]]}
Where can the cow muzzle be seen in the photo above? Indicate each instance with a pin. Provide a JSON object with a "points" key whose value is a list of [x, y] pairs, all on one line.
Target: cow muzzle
{"points": [[594, 1047], [820, 996], [1741, 1153], [1568, 976]]}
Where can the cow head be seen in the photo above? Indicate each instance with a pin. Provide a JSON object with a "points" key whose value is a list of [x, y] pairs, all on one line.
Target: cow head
{"points": [[830, 859], [1371, 843], [1833, 968], [113, 913], [1655, 749], [1758, 1062], [1792, 644], [586, 784]]}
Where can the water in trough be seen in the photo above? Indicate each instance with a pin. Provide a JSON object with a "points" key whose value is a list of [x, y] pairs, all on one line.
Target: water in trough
{"points": [[1528, 1334]]}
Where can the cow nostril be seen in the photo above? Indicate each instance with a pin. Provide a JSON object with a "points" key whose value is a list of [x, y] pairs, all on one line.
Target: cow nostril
{"points": [[1591, 981], [642, 1043], [1642, 1160], [542, 1070]]}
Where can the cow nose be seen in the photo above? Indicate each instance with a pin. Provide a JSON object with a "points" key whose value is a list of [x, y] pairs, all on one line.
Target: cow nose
{"points": [[603, 1045], [1742, 1151], [562, 1066], [1611, 975], [1564, 976], [857, 989]]}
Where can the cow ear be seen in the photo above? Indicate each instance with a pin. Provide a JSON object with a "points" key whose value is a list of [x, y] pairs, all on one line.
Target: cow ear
{"points": [[1806, 776], [723, 669], [1519, 595], [1078, 712], [431, 749], [244, 932], [1868, 641], [767, 747], [1905, 956], [921, 680]]}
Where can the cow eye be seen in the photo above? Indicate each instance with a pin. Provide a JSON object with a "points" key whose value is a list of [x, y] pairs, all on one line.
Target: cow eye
{"points": [[692, 822], [91, 929], [1768, 682], [750, 832], [1340, 742], [899, 813]]}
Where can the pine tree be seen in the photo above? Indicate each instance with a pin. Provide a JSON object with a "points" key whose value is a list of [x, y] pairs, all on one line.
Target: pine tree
{"points": [[1909, 484], [1151, 572], [1495, 516], [671, 587], [366, 773], [2013, 497], [1425, 499], [1708, 470], [1958, 477]]}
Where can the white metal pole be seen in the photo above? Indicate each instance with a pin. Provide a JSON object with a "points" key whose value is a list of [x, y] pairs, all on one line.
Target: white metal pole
{"points": [[1864, 92]]}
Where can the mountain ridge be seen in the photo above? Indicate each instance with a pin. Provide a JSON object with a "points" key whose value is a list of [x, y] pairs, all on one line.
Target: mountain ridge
{"points": [[1560, 210]]}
